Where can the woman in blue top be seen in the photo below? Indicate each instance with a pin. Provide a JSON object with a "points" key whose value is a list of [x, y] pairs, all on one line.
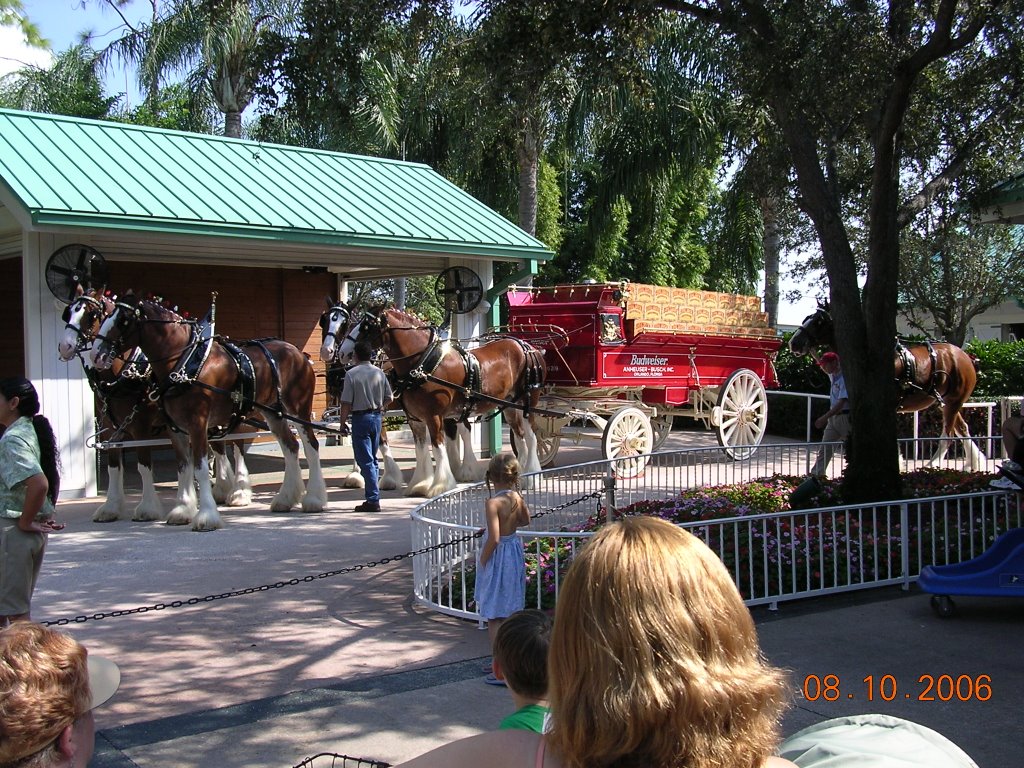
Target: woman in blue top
{"points": [[29, 484]]}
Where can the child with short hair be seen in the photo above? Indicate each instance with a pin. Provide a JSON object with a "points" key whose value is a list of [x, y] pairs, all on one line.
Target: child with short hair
{"points": [[521, 660], [501, 563]]}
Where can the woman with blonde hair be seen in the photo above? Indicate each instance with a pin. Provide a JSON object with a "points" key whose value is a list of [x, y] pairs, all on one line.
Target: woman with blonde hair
{"points": [[654, 661]]}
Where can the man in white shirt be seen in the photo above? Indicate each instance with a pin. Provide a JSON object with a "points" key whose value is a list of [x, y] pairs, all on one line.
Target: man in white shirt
{"points": [[836, 421]]}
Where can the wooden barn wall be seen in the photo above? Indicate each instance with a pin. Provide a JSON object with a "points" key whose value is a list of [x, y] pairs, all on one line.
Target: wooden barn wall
{"points": [[252, 303], [12, 341]]}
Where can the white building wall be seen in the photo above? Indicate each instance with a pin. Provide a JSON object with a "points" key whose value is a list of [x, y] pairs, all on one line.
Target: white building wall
{"points": [[994, 324], [64, 393]]}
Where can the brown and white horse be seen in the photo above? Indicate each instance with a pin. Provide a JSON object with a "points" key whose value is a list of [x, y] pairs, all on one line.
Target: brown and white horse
{"points": [[128, 413], [202, 387], [438, 381], [928, 373]]}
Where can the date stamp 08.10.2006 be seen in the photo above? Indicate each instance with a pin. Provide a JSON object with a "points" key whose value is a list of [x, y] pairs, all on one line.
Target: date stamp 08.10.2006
{"points": [[945, 688]]}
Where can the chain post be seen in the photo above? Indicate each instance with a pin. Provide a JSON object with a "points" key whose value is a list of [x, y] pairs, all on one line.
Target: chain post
{"points": [[609, 495]]}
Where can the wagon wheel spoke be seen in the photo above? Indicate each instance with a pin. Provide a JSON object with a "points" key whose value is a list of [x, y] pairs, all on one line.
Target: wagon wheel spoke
{"points": [[628, 433], [743, 413], [547, 448]]}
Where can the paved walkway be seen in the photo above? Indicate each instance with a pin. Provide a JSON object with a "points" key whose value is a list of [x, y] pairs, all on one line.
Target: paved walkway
{"points": [[348, 664]]}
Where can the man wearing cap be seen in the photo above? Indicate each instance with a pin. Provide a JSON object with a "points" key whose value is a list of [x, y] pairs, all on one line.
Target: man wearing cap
{"points": [[836, 421], [367, 394], [49, 686]]}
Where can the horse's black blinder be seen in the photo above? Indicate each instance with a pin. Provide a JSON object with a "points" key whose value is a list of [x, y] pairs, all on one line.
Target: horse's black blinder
{"points": [[66, 314]]}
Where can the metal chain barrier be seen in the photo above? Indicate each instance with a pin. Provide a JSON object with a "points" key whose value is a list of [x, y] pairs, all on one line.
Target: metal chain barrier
{"points": [[305, 579], [335, 760]]}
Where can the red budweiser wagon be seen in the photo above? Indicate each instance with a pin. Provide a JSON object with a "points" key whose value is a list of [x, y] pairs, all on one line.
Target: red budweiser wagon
{"points": [[624, 359]]}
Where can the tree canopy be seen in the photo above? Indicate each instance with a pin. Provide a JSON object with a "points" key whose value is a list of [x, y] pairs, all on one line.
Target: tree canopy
{"points": [[675, 141]]}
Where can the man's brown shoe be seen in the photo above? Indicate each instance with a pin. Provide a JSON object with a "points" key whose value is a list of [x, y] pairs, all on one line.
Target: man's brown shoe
{"points": [[368, 506]]}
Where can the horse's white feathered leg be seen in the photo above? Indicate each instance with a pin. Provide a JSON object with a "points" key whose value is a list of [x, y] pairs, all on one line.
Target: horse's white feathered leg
{"points": [[422, 476], [186, 502], [354, 479], [291, 488], [149, 508], [112, 508], [207, 517], [940, 453], [223, 483], [391, 477], [241, 496], [975, 458], [473, 469], [316, 489], [443, 480], [453, 450], [528, 455]]}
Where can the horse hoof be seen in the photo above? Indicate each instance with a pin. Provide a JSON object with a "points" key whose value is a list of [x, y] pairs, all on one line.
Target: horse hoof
{"points": [[240, 499], [280, 508], [105, 515], [387, 485], [420, 489], [438, 489], [178, 518], [312, 505], [355, 480], [145, 517]]}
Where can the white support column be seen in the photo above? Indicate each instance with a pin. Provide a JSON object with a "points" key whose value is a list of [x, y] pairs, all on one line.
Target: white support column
{"points": [[64, 393], [474, 324]]}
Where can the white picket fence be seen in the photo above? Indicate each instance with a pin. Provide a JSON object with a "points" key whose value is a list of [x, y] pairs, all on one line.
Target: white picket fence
{"points": [[773, 557]]}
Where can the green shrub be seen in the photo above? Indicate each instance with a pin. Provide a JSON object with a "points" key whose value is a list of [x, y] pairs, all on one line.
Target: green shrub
{"points": [[1000, 368]]}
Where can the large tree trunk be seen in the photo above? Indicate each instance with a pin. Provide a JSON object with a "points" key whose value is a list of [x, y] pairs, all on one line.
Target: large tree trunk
{"points": [[528, 154], [233, 125], [772, 249], [864, 331]]}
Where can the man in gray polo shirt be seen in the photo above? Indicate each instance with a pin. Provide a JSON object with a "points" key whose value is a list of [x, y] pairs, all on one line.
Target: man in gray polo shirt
{"points": [[366, 395]]}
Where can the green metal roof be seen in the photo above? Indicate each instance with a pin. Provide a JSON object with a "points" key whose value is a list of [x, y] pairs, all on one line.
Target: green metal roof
{"points": [[70, 172]]}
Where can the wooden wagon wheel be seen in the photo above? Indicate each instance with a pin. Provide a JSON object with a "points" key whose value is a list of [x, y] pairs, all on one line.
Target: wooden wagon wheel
{"points": [[547, 448], [662, 429], [741, 415], [628, 433]]}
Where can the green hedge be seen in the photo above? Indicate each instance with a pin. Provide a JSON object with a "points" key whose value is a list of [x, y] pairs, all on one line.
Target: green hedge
{"points": [[1000, 368]]}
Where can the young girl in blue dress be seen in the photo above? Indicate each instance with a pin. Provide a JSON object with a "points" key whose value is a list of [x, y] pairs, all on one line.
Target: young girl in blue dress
{"points": [[501, 562]]}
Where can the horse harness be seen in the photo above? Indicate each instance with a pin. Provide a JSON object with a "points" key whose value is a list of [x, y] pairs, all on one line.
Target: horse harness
{"points": [[907, 378], [243, 395], [133, 383], [435, 353]]}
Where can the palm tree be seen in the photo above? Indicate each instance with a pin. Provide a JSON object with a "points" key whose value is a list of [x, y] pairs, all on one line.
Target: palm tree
{"points": [[71, 85], [649, 130], [213, 43], [12, 14]]}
